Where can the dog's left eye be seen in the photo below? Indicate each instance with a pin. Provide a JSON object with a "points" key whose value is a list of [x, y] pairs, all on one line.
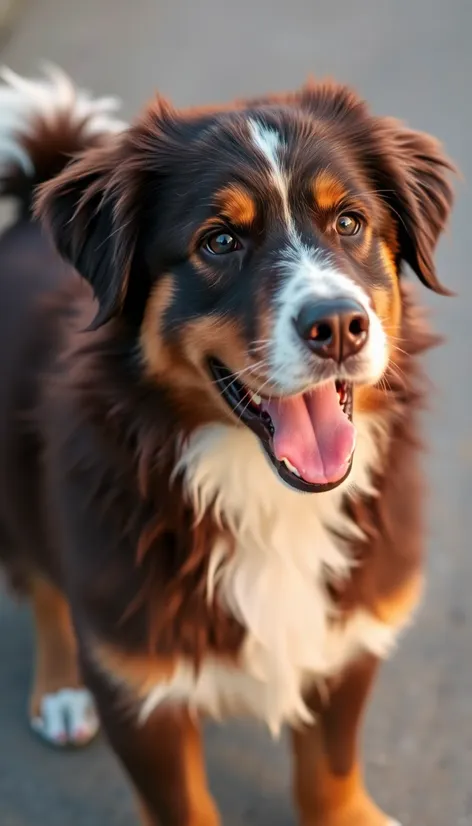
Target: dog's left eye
{"points": [[220, 243], [348, 224]]}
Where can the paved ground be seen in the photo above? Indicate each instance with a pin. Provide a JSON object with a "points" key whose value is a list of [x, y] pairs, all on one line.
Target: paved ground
{"points": [[410, 59]]}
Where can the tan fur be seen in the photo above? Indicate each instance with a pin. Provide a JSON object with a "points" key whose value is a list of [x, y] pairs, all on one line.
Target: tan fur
{"points": [[328, 191], [328, 783], [203, 811], [395, 608], [138, 672], [155, 354], [200, 337], [237, 205], [183, 368], [56, 650], [388, 306], [342, 800]]}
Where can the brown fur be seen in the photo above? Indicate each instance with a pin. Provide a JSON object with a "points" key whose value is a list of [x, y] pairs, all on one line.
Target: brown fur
{"points": [[106, 380], [328, 782]]}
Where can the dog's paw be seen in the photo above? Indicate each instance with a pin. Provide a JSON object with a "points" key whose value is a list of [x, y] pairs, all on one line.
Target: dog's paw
{"points": [[66, 718]]}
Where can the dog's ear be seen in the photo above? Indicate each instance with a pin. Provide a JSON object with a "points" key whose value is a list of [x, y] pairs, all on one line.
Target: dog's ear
{"points": [[90, 209], [412, 175], [408, 169]]}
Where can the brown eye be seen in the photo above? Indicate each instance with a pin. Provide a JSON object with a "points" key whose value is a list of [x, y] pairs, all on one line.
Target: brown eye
{"points": [[347, 224], [220, 243]]}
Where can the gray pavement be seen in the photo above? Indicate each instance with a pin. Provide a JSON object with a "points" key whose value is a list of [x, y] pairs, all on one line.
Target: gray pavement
{"points": [[411, 58]]}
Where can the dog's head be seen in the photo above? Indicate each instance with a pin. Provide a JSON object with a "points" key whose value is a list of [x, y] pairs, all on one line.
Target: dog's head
{"points": [[257, 252]]}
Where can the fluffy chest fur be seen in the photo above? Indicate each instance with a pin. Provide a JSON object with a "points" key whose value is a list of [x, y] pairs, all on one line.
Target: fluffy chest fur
{"points": [[274, 579]]}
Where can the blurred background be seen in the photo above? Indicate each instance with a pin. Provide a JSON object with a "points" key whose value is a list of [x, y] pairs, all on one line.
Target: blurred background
{"points": [[412, 60]]}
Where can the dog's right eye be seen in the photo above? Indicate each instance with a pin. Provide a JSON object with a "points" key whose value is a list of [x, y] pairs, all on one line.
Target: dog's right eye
{"points": [[221, 243]]}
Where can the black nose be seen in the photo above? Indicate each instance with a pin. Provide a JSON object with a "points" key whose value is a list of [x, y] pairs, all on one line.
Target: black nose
{"points": [[333, 329]]}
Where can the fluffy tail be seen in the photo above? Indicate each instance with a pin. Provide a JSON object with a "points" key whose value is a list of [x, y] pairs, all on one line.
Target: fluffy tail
{"points": [[43, 123]]}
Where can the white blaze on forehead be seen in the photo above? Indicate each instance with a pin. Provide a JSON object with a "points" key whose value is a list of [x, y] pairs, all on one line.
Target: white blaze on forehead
{"points": [[271, 144]]}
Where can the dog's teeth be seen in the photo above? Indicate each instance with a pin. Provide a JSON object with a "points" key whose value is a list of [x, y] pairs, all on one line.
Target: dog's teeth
{"points": [[256, 399], [289, 465]]}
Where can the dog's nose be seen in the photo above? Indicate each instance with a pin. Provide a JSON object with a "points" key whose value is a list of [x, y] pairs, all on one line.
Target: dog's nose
{"points": [[333, 329]]}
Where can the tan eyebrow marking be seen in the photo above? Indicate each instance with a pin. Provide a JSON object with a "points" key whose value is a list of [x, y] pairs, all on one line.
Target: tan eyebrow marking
{"points": [[237, 205], [328, 190]]}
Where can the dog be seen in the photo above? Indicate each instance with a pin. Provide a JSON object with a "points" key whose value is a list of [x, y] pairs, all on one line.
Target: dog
{"points": [[210, 453]]}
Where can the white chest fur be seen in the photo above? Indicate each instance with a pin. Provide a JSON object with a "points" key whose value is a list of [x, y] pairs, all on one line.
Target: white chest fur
{"points": [[274, 581]]}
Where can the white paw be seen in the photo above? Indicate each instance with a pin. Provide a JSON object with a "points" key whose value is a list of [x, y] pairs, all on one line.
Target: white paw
{"points": [[67, 718], [394, 823]]}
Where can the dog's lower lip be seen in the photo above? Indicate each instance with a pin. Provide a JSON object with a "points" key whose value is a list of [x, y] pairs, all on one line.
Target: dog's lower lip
{"points": [[240, 400]]}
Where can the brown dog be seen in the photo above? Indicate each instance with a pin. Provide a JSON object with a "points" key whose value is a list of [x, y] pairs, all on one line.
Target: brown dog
{"points": [[209, 480]]}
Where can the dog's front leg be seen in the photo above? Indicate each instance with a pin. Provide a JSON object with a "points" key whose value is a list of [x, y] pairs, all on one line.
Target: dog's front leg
{"points": [[162, 755], [328, 783]]}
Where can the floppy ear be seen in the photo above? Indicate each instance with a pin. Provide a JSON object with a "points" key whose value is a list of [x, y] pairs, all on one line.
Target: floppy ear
{"points": [[409, 170], [412, 173], [90, 210]]}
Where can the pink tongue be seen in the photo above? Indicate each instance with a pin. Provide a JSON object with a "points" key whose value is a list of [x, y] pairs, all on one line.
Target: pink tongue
{"points": [[313, 433]]}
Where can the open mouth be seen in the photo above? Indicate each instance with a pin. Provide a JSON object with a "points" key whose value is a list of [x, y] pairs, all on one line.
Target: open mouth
{"points": [[309, 438]]}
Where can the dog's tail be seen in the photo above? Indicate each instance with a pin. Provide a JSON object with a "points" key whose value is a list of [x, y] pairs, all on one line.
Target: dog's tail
{"points": [[43, 123]]}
